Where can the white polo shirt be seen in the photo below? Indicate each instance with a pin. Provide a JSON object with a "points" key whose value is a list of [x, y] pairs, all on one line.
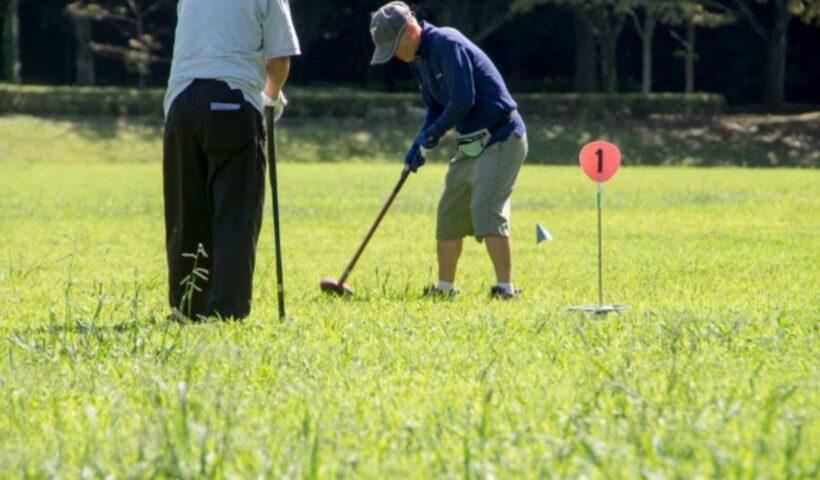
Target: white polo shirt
{"points": [[230, 40]]}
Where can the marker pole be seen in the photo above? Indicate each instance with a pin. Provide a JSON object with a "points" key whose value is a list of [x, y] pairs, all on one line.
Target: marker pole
{"points": [[600, 250]]}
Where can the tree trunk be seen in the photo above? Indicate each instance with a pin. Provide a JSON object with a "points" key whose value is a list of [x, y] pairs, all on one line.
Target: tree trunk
{"points": [[649, 24], [690, 56], [144, 67], [84, 55], [609, 65], [610, 27], [586, 66], [11, 42], [774, 93]]}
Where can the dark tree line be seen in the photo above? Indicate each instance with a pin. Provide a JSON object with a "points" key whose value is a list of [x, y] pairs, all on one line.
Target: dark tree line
{"points": [[750, 50]]}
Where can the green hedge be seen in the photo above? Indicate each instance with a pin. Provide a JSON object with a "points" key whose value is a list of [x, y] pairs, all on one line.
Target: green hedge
{"points": [[40, 100], [343, 103]]}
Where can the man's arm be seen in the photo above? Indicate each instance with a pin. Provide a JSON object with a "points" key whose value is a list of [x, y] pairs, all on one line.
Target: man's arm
{"points": [[434, 109], [279, 42], [278, 71], [415, 156], [458, 75]]}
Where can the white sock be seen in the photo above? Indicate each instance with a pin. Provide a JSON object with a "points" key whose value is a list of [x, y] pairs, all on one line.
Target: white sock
{"points": [[507, 287], [445, 286]]}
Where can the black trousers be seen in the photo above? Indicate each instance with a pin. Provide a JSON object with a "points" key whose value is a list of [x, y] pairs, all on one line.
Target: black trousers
{"points": [[214, 188]]}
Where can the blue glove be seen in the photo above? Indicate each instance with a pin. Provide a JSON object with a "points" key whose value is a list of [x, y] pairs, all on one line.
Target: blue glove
{"points": [[414, 159], [415, 156]]}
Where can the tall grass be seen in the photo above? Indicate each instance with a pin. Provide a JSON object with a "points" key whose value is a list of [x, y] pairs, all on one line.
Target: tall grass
{"points": [[712, 374]]}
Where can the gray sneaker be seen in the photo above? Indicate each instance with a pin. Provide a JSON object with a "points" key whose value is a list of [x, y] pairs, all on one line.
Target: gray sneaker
{"points": [[498, 293]]}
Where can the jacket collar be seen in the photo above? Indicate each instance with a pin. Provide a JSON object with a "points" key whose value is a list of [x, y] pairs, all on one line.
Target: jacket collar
{"points": [[426, 40]]}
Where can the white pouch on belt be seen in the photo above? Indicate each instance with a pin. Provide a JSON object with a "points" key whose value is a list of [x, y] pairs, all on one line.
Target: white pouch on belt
{"points": [[473, 144]]}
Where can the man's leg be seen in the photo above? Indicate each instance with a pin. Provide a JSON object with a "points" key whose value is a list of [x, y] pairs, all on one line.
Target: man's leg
{"points": [[236, 182], [187, 221], [449, 252], [453, 221], [496, 173], [499, 249], [238, 190]]}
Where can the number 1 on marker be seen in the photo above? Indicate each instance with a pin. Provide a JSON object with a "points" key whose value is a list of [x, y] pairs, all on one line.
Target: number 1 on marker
{"points": [[600, 154]]}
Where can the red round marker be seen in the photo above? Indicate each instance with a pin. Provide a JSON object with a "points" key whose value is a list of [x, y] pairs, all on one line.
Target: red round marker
{"points": [[600, 161]]}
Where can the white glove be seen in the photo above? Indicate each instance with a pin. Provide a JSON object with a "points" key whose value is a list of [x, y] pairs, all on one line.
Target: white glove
{"points": [[278, 105]]}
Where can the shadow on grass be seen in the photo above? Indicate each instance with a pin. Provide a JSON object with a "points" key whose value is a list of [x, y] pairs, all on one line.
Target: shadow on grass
{"points": [[108, 128], [743, 140], [753, 141]]}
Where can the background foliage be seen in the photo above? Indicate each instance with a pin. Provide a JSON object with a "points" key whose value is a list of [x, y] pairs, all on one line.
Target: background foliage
{"points": [[583, 45]]}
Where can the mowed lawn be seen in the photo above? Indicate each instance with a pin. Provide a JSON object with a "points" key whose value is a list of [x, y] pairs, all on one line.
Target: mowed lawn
{"points": [[713, 373]]}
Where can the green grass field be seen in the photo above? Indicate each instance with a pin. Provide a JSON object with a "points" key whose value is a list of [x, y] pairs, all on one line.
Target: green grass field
{"points": [[713, 374]]}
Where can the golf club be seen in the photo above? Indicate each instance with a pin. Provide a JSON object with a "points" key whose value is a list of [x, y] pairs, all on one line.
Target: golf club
{"points": [[338, 287], [271, 144]]}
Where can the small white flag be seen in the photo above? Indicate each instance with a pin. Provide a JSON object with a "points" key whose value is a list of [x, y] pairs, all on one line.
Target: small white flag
{"points": [[541, 234]]}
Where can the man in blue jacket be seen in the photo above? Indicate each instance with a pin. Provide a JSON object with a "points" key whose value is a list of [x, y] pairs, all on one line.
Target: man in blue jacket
{"points": [[463, 90]]}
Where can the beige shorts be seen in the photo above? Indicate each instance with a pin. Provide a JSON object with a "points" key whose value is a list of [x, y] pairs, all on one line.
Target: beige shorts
{"points": [[477, 190]]}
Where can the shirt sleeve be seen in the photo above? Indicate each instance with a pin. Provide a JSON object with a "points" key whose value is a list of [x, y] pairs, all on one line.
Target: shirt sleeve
{"points": [[434, 109], [457, 70], [279, 37]]}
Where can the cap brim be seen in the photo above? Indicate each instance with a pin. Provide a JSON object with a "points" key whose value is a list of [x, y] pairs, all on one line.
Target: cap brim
{"points": [[384, 53]]}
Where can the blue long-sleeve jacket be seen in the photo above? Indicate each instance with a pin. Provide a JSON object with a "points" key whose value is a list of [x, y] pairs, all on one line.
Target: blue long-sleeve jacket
{"points": [[461, 86]]}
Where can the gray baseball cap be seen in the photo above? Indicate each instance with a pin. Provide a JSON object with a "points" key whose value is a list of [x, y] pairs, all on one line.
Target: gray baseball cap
{"points": [[387, 26]]}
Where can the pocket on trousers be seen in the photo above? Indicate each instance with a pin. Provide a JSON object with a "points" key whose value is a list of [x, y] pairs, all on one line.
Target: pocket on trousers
{"points": [[230, 125]]}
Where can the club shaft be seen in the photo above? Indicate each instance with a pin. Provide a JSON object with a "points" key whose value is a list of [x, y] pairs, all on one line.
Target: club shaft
{"points": [[375, 226], [600, 251], [274, 185]]}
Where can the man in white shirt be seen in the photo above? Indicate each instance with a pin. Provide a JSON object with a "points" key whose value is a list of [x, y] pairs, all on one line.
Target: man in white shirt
{"points": [[231, 58]]}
